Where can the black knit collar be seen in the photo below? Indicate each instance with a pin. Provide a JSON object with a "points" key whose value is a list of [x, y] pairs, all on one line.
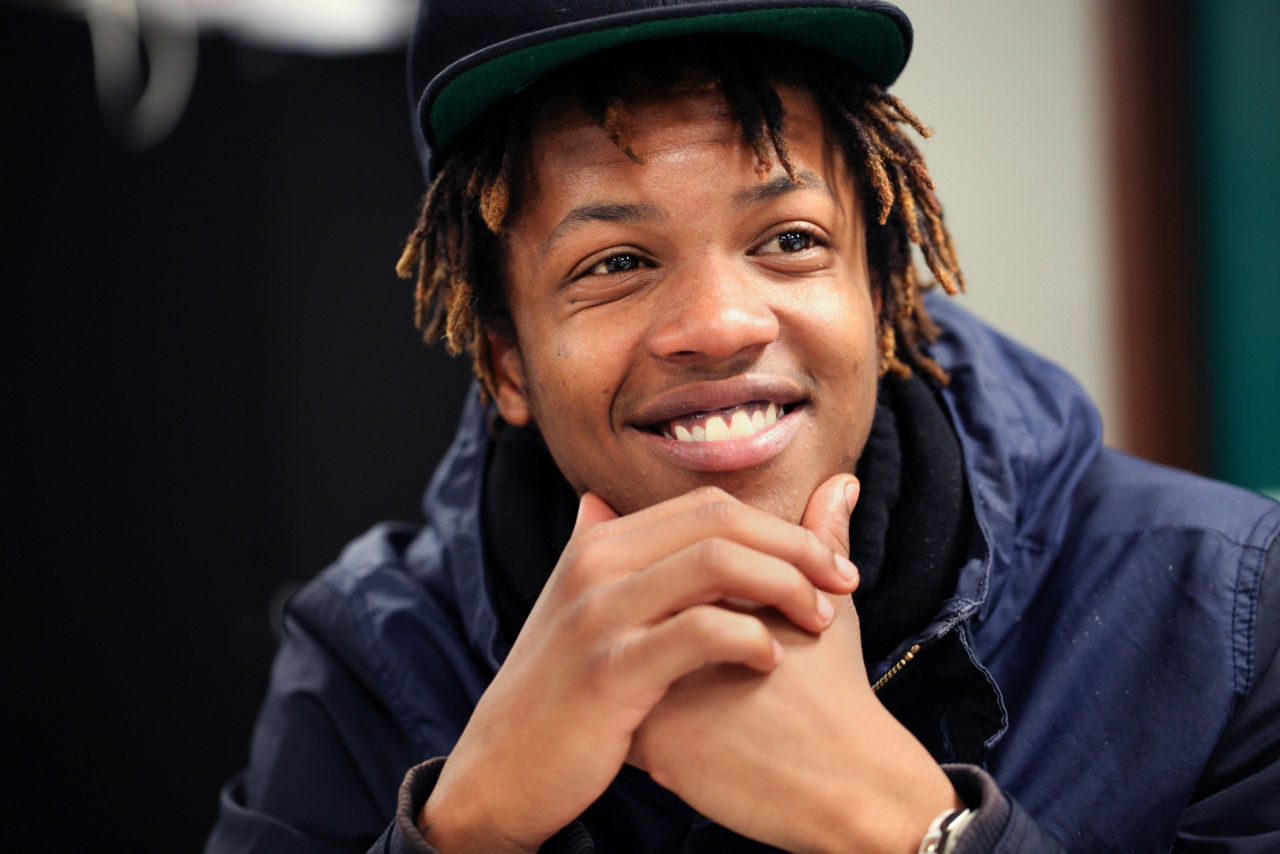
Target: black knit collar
{"points": [[908, 535], [910, 530]]}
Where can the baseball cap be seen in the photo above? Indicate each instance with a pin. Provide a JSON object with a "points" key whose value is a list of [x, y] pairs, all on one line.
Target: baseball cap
{"points": [[466, 56]]}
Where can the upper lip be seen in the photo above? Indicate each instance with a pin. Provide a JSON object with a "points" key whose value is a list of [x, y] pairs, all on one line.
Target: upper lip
{"points": [[717, 394]]}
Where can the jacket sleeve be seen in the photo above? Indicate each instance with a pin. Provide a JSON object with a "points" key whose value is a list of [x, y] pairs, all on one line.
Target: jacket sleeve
{"points": [[1236, 806], [325, 754], [402, 836], [999, 826]]}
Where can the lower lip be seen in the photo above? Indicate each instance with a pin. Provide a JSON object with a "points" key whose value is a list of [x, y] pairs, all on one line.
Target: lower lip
{"points": [[729, 454]]}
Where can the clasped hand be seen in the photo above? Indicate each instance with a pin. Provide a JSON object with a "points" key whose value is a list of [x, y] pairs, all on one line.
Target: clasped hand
{"points": [[649, 644]]}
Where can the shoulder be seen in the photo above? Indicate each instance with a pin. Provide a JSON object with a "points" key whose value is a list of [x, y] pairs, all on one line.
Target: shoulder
{"points": [[388, 624], [405, 607], [1120, 494], [1123, 602]]}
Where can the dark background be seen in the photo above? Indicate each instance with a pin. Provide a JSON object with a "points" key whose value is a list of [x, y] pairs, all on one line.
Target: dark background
{"points": [[215, 383]]}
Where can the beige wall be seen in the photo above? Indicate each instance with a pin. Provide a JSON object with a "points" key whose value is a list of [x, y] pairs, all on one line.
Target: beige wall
{"points": [[1010, 88]]}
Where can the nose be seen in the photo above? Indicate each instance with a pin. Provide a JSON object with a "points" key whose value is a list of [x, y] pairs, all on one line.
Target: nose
{"points": [[711, 312]]}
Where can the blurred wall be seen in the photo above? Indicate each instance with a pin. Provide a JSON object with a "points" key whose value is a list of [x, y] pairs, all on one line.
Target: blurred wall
{"points": [[1239, 199], [1012, 92]]}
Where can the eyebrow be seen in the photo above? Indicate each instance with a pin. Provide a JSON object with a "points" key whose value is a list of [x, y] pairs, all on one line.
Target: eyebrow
{"points": [[601, 212], [780, 185], [614, 212]]}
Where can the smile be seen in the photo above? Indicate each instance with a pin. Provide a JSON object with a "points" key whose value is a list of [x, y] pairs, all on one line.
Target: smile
{"points": [[737, 422], [726, 425]]}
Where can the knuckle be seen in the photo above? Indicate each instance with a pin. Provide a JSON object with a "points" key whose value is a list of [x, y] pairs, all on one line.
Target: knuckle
{"points": [[797, 587], [599, 670], [585, 613], [723, 514], [711, 495], [704, 625], [586, 553], [610, 660], [760, 638], [711, 556], [814, 549], [581, 561]]}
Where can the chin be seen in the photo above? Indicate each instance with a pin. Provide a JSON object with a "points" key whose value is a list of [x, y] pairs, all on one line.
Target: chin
{"points": [[785, 500]]}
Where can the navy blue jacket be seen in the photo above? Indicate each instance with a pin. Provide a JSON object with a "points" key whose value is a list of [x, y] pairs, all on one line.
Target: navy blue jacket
{"points": [[1102, 657]]}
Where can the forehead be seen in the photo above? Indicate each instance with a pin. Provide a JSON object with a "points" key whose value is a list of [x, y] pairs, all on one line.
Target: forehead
{"points": [[568, 133], [656, 124]]}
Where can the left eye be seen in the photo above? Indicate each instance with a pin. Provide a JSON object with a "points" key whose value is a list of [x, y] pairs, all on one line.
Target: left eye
{"points": [[623, 262], [794, 240]]}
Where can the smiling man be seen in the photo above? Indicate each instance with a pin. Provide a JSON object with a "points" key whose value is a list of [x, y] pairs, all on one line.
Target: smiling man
{"points": [[678, 321], [678, 241]]}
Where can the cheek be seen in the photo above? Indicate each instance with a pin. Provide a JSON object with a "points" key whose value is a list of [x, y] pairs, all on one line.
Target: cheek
{"points": [[841, 334], [569, 392]]}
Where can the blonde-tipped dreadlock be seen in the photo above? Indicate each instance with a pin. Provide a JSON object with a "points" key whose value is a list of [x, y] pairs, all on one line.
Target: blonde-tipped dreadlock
{"points": [[459, 295]]}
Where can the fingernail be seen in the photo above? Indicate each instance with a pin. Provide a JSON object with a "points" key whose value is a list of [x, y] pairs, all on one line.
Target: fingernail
{"points": [[777, 651], [850, 494], [847, 570], [825, 609]]}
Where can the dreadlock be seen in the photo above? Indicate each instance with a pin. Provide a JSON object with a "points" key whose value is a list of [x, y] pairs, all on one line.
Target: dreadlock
{"points": [[459, 295]]}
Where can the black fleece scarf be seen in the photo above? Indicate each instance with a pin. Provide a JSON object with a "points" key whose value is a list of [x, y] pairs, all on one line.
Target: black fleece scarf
{"points": [[908, 535]]}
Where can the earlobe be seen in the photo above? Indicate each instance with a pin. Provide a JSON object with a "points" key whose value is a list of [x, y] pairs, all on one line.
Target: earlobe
{"points": [[886, 340], [508, 372]]}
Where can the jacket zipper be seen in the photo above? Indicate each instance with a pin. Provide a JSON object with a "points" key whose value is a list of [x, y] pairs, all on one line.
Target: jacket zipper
{"points": [[896, 669]]}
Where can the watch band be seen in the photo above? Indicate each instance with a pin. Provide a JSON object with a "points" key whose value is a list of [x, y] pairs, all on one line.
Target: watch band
{"points": [[944, 832]]}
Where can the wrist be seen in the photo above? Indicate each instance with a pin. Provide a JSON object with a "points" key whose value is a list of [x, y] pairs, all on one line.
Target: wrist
{"points": [[461, 827], [904, 826], [911, 792]]}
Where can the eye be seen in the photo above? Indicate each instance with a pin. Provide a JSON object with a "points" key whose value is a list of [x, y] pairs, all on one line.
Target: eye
{"points": [[623, 262], [790, 241]]}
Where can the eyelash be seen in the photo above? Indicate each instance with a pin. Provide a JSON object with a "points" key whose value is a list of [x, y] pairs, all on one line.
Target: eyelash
{"points": [[807, 232], [634, 256]]}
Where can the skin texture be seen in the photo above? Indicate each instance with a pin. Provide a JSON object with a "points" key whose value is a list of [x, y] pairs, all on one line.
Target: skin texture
{"points": [[712, 298], [687, 627]]}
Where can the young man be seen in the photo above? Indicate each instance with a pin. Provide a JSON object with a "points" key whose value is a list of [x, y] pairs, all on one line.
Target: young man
{"points": [[677, 240]]}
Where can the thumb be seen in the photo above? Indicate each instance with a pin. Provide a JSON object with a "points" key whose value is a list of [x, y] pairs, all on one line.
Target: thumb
{"points": [[593, 509], [829, 510]]}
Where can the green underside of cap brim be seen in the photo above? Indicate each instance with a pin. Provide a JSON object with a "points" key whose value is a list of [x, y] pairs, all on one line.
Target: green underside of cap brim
{"points": [[868, 41]]}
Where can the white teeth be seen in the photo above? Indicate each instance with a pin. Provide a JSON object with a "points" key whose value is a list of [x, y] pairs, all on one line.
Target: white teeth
{"points": [[744, 421], [717, 430]]}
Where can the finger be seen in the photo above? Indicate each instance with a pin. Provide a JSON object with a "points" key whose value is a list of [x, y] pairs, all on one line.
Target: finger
{"points": [[656, 513], [716, 569], [592, 509], [732, 520], [827, 516], [651, 659]]}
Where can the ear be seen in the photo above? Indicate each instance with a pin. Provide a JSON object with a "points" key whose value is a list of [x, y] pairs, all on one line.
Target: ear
{"points": [[508, 372]]}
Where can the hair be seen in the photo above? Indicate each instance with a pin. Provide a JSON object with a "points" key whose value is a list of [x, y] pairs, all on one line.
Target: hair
{"points": [[456, 243]]}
